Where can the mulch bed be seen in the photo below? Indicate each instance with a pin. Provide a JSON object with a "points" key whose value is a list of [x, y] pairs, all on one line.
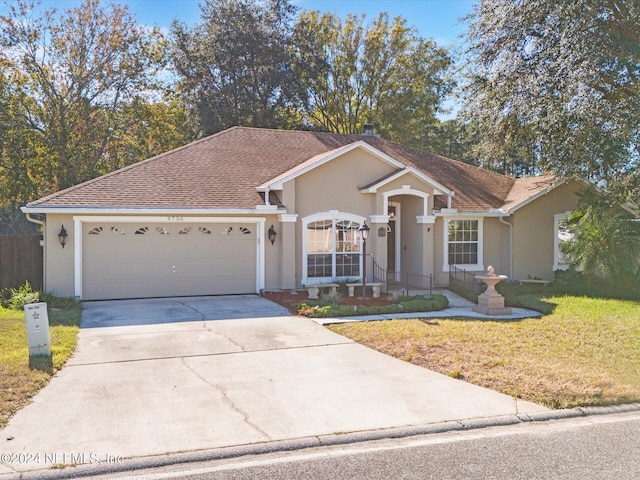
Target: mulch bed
{"points": [[288, 300]]}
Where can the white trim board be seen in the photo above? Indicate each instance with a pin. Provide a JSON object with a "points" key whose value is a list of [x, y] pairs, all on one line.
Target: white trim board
{"points": [[439, 189], [151, 211]]}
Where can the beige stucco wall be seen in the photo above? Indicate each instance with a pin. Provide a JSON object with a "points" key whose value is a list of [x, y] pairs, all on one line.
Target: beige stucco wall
{"points": [[59, 269], [496, 245], [273, 253], [335, 186], [399, 184], [533, 234], [533, 237]]}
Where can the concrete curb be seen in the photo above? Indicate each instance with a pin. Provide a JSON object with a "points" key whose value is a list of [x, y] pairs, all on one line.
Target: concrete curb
{"points": [[131, 465]]}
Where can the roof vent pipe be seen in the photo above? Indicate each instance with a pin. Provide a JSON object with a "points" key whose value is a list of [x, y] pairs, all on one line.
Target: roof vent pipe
{"points": [[368, 129]]}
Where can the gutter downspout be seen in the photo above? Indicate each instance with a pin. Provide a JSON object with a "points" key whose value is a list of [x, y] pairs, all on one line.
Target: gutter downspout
{"points": [[266, 197], [44, 246], [449, 197], [504, 222]]}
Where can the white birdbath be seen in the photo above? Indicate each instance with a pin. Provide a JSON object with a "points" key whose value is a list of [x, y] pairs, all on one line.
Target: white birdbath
{"points": [[491, 302]]}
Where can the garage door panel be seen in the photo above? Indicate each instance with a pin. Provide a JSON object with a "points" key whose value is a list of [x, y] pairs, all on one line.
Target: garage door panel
{"points": [[168, 260]]}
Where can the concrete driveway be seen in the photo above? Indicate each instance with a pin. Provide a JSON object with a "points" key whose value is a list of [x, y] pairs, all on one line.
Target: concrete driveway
{"points": [[153, 377]]}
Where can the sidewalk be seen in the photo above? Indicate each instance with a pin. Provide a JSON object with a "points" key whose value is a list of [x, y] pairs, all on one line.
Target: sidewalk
{"points": [[458, 308]]}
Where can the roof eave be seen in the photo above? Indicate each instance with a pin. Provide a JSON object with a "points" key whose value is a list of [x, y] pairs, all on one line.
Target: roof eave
{"points": [[453, 212]]}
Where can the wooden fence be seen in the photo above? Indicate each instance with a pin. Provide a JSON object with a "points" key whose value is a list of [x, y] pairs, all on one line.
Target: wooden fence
{"points": [[20, 260]]}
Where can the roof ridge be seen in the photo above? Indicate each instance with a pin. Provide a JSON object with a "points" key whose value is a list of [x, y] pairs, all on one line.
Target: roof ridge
{"points": [[298, 131], [449, 160], [417, 151], [454, 163], [549, 178], [240, 158]]}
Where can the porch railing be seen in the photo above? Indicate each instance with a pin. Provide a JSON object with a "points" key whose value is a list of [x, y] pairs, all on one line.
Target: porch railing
{"points": [[465, 280], [402, 281]]}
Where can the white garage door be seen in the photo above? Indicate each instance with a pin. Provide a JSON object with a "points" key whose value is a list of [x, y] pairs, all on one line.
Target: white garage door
{"points": [[129, 260]]}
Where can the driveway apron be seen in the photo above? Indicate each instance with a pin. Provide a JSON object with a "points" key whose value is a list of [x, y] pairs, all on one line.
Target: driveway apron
{"points": [[152, 377]]}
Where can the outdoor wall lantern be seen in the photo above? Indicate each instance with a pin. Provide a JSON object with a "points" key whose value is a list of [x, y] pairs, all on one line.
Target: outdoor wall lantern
{"points": [[62, 236], [272, 234], [364, 233]]}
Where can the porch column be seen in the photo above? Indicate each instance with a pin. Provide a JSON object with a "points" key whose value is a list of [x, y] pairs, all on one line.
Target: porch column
{"points": [[428, 227], [377, 243], [288, 250]]}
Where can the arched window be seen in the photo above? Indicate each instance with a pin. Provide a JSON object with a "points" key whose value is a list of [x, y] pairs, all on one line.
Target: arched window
{"points": [[331, 247]]}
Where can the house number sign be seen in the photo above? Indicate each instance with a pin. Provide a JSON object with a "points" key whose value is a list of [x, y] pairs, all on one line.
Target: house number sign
{"points": [[175, 219], [37, 329]]}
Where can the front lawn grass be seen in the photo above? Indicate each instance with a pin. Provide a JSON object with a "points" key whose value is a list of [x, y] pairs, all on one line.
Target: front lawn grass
{"points": [[585, 351], [20, 381]]}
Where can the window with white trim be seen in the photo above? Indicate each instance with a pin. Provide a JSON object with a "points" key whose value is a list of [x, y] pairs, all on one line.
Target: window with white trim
{"points": [[562, 233], [332, 247], [463, 243]]}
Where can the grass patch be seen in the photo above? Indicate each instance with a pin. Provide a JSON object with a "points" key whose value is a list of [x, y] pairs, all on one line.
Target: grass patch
{"points": [[21, 379], [412, 304], [585, 351]]}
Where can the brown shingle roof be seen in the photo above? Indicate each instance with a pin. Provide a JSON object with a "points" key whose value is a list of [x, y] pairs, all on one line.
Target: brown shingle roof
{"points": [[223, 170], [526, 188]]}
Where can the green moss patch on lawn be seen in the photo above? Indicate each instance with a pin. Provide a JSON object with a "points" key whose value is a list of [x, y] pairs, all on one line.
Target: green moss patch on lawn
{"points": [[20, 381], [586, 352]]}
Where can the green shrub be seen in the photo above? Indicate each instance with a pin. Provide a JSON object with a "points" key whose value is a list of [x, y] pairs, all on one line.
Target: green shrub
{"points": [[421, 304], [406, 305], [330, 298], [17, 298], [605, 242], [22, 296]]}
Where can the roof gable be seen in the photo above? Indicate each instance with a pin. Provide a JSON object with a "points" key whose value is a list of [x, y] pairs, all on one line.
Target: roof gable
{"points": [[525, 190], [528, 189], [438, 188], [319, 160]]}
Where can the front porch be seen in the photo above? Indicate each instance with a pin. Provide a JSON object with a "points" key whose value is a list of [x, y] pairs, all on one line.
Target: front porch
{"points": [[404, 283]]}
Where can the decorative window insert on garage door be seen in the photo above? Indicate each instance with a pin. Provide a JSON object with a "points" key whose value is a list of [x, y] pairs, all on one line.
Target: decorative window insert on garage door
{"points": [[129, 257]]}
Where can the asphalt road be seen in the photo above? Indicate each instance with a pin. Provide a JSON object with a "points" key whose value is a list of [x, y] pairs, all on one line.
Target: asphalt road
{"points": [[598, 447]]}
